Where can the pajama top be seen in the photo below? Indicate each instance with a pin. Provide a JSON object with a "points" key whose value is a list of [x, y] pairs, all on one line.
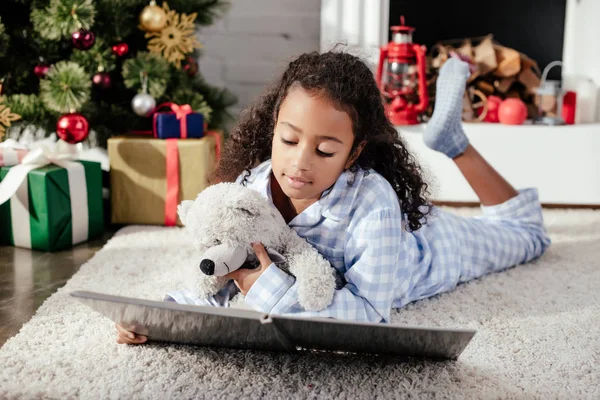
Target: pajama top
{"points": [[358, 225]]}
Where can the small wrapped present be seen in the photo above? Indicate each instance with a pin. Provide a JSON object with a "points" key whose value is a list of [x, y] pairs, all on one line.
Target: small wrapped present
{"points": [[150, 177], [180, 123], [50, 201]]}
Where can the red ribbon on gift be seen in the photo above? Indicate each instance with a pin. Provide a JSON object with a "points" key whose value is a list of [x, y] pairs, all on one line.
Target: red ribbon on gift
{"points": [[181, 112], [172, 197], [172, 160]]}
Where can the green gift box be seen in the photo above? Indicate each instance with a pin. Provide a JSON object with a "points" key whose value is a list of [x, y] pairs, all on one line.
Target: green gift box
{"points": [[51, 222]]}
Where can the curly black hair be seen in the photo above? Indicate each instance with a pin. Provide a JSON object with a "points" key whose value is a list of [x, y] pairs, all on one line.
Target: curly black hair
{"points": [[349, 83]]}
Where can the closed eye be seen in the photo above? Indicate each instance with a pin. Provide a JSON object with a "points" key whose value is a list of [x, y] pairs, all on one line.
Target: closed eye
{"points": [[319, 152], [216, 242], [323, 154]]}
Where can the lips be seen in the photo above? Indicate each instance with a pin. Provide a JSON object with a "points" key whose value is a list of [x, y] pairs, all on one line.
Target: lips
{"points": [[297, 182], [298, 179]]}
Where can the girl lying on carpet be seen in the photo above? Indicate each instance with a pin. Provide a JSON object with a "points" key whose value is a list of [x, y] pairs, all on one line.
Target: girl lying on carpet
{"points": [[337, 170]]}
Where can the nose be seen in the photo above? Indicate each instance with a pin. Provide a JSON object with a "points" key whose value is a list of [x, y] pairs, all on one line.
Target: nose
{"points": [[207, 267], [302, 158]]}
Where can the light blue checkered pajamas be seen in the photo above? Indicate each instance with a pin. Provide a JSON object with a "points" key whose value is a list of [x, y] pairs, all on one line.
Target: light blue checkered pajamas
{"points": [[358, 226]]}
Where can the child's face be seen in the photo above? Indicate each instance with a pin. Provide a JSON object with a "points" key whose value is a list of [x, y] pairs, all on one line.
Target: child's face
{"points": [[311, 145]]}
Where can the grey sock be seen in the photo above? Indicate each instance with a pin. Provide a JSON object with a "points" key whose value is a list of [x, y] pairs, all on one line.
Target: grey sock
{"points": [[444, 131]]}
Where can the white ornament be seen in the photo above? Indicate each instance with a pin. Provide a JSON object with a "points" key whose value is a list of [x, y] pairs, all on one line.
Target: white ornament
{"points": [[143, 103]]}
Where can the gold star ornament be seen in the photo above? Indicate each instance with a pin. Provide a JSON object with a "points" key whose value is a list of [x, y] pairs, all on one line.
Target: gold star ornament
{"points": [[6, 117], [176, 39]]}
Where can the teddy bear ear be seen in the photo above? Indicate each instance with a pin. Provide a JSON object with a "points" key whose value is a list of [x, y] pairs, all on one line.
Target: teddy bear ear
{"points": [[183, 209]]}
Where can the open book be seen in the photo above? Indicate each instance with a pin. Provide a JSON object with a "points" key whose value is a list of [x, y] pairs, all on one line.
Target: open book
{"points": [[246, 329]]}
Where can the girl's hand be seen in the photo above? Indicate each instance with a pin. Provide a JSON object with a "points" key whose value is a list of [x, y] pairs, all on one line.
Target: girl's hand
{"points": [[244, 278], [126, 337]]}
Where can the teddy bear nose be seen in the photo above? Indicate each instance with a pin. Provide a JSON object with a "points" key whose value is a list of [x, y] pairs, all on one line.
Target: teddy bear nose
{"points": [[207, 266]]}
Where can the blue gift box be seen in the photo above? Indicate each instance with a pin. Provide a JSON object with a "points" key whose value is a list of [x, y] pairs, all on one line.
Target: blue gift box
{"points": [[167, 126]]}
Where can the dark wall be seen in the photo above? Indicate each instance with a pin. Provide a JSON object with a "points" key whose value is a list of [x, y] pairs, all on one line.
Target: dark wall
{"points": [[533, 27]]}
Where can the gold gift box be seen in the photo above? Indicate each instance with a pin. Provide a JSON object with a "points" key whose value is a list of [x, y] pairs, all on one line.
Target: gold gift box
{"points": [[138, 176]]}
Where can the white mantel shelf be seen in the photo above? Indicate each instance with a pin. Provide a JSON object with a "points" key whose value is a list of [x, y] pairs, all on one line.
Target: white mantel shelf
{"points": [[563, 162]]}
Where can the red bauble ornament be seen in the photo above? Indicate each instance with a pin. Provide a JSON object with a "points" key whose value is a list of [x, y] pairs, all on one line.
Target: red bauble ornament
{"points": [[72, 128], [41, 70], [512, 111], [120, 49], [83, 39], [102, 80], [191, 66]]}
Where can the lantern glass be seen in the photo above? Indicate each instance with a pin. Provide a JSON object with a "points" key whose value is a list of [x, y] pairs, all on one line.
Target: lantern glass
{"points": [[548, 100], [403, 79]]}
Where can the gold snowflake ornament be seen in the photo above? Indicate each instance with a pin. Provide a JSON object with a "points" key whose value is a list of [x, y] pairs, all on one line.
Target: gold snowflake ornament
{"points": [[6, 117], [176, 39]]}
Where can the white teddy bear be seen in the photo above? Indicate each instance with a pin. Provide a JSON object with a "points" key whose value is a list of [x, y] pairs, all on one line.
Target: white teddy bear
{"points": [[226, 218]]}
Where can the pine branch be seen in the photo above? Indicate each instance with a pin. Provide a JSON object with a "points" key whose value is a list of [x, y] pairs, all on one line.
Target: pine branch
{"points": [[112, 4], [31, 109], [33, 112], [99, 58], [66, 87], [219, 99], [3, 39], [156, 68], [116, 19], [63, 17], [208, 10], [194, 99]]}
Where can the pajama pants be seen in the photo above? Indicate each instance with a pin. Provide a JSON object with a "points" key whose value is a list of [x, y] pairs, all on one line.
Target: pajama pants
{"points": [[450, 249], [456, 249]]}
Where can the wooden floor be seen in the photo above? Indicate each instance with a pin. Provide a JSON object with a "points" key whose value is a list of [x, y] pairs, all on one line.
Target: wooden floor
{"points": [[28, 278]]}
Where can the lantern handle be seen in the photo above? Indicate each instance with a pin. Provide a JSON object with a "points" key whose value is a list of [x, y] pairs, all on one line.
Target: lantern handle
{"points": [[421, 63], [548, 68]]}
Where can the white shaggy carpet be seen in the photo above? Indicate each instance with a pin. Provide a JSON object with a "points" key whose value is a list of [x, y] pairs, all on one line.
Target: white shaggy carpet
{"points": [[538, 335]]}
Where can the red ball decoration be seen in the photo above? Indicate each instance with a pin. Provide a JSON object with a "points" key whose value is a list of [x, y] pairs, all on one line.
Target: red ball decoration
{"points": [[120, 49], [41, 70], [190, 66], [83, 39], [512, 111], [102, 80], [72, 128], [492, 113]]}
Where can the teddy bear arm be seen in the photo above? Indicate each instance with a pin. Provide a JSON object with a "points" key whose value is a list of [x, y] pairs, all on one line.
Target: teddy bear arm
{"points": [[315, 276]]}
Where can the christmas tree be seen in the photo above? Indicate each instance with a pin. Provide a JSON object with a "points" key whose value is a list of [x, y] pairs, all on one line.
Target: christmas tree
{"points": [[107, 62]]}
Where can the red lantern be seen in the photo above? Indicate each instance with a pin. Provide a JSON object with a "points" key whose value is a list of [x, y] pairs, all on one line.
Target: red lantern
{"points": [[404, 85]]}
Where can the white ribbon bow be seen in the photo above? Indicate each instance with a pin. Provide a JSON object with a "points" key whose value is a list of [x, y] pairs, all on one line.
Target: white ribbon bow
{"points": [[14, 187], [12, 144]]}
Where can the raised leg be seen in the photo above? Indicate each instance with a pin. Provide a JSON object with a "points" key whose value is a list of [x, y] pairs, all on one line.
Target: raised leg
{"points": [[488, 184], [444, 133]]}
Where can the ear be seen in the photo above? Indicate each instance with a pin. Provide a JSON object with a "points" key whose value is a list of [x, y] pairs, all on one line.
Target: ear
{"points": [[183, 209], [247, 212], [248, 204], [355, 154]]}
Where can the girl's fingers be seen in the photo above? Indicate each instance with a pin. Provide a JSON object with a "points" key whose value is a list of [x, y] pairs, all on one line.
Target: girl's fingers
{"points": [[261, 254], [125, 333], [126, 337]]}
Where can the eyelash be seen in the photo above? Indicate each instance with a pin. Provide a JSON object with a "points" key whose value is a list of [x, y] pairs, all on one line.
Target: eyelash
{"points": [[319, 152]]}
